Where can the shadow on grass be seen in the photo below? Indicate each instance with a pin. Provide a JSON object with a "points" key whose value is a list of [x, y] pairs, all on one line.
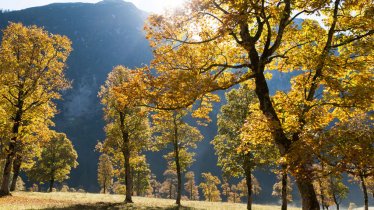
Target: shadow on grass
{"points": [[115, 206]]}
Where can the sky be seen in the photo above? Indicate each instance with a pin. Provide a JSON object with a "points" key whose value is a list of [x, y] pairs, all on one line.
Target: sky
{"points": [[155, 6]]}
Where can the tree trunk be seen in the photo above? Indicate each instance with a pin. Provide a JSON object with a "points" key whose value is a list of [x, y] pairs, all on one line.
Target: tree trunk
{"points": [[307, 192], [4, 190], [308, 195], [177, 164], [51, 183], [248, 178], [364, 189], [191, 191], [170, 190], [126, 155], [16, 169], [322, 196], [104, 186], [284, 190]]}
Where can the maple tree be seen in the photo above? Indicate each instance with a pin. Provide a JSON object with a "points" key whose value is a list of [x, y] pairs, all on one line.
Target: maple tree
{"points": [[238, 156], [209, 187], [214, 44], [105, 172], [57, 158], [283, 188], [127, 129], [169, 186], [32, 63], [190, 186], [141, 174], [171, 129], [348, 147], [339, 191], [154, 187], [233, 194]]}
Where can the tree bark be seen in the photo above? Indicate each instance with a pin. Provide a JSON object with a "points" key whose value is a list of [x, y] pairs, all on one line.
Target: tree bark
{"points": [[16, 169], [308, 196], [248, 178], [104, 186], [177, 164], [51, 183], [364, 189], [4, 190], [284, 190], [126, 154]]}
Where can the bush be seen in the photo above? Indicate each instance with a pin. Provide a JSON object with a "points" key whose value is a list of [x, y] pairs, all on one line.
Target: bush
{"points": [[64, 188], [81, 191], [34, 188], [119, 188]]}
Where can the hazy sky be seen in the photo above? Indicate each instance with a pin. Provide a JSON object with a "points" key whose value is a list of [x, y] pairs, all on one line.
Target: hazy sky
{"points": [[146, 5]]}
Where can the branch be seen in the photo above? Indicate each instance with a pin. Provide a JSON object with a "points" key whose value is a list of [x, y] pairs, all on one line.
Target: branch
{"points": [[353, 39]]}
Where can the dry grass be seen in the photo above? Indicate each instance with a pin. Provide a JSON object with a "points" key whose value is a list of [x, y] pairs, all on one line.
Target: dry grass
{"points": [[60, 200]]}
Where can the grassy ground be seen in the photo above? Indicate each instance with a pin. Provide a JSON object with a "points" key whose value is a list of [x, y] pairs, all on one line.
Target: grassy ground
{"points": [[60, 200]]}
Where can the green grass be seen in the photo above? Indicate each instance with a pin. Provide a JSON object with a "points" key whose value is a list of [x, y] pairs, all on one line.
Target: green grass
{"points": [[67, 200]]}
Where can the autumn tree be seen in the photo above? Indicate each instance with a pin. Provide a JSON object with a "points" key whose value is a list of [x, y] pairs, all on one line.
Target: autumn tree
{"points": [[105, 172], [141, 174], [283, 179], [243, 187], [169, 186], [171, 130], [233, 194], [210, 187], [57, 159], [229, 140], [127, 129], [339, 191], [190, 186], [32, 63], [213, 44], [154, 186], [348, 147], [225, 186]]}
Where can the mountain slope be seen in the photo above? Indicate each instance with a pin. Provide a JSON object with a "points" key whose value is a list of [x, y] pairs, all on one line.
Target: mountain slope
{"points": [[104, 35]]}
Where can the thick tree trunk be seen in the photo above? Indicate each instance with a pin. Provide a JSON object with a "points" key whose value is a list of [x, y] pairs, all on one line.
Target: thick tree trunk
{"points": [[16, 169], [284, 190], [308, 196], [307, 192], [364, 189], [177, 164], [4, 190], [248, 179], [51, 183], [126, 155]]}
